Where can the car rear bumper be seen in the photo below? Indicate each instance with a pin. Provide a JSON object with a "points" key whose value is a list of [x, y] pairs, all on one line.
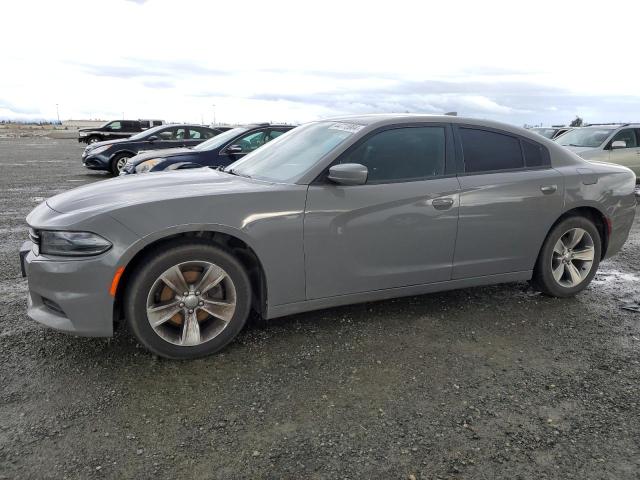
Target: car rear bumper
{"points": [[71, 296]]}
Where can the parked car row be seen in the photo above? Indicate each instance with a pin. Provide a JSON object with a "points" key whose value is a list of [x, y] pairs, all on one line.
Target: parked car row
{"points": [[112, 155], [333, 212]]}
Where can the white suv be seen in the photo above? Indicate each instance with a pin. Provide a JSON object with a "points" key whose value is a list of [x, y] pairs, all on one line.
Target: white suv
{"points": [[606, 143]]}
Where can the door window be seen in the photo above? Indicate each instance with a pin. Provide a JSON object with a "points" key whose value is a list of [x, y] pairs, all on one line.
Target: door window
{"points": [[276, 133], [628, 136], [535, 155], [170, 134], [486, 151], [252, 141], [115, 126], [198, 134], [401, 154]]}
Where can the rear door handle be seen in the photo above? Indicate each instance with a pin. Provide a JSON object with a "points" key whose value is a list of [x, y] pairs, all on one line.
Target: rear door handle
{"points": [[442, 203], [548, 189]]}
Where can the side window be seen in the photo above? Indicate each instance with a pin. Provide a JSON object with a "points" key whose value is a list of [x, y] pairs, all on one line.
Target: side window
{"points": [[535, 155], [485, 151], [401, 154], [252, 141], [172, 134], [628, 136], [115, 126], [276, 133], [195, 134]]}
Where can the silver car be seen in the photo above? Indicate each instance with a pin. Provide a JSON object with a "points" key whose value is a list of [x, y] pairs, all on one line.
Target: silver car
{"points": [[618, 144], [334, 212]]}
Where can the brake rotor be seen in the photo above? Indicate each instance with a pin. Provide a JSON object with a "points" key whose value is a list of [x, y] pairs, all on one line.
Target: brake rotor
{"points": [[166, 295]]}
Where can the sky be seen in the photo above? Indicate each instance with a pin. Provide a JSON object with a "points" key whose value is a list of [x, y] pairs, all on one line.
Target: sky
{"points": [[541, 62]]}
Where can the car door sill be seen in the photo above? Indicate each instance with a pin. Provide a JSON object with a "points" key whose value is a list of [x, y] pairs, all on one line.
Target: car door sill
{"points": [[275, 311]]}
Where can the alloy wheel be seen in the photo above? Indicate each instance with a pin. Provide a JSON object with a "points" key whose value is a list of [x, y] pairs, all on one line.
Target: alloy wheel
{"points": [[572, 257], [191, 303], [121, 163]]}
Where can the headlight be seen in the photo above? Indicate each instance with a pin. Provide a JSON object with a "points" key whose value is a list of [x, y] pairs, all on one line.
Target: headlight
{"points": [[100, 149], [82, 134], [72, 244], [147, 165]]}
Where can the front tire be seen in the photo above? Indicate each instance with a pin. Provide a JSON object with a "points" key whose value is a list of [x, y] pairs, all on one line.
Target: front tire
{"points": [[569, 258], [187, 301], [93, 139], [118, 162]]}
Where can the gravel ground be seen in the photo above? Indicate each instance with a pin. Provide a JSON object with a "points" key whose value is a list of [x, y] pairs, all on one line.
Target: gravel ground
{"points": [[483, 383]]}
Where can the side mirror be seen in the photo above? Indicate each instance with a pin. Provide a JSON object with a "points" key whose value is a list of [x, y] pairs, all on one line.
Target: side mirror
{"points": [[234, 149], [349, 174], [618, 144], [153, 138]]}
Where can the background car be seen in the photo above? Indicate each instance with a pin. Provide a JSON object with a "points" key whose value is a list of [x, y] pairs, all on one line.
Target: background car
{"points": [[115, 129], [618, 143], [551, 132], [113, 155], [334, 212], [216, 152]]}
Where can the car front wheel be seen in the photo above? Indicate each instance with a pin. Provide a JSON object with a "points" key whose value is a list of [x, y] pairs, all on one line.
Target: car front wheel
{"points": [[118, 163], [569, 258], [188, 301]]}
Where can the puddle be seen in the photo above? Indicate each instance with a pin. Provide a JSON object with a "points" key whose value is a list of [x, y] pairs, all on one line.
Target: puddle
{"points": [[38, 199]]}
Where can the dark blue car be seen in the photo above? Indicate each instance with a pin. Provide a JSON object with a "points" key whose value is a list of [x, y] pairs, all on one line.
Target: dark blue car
{"points": [[112, 155], [219, 151]]}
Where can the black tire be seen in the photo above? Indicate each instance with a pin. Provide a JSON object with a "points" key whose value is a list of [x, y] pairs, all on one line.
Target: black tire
{"points": [[113, 166], [93, 139], [153, 266], [543, 279]]}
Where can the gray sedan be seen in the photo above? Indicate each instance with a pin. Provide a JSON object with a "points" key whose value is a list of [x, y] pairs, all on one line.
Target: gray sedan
{"points": [[334, 212]]}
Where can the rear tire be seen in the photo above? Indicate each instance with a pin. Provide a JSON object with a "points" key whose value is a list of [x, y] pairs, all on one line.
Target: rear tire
{"points": [[177, 326], [569, 258], [118, 162]]}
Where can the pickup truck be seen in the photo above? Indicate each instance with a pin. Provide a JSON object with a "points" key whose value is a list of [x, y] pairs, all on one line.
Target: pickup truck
{"points": [[115, 129]]}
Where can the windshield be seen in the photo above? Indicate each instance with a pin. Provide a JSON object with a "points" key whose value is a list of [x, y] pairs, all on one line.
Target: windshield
{"points": [[585, 137], [293, 153], [148, 131], [220, 139], [545, 132]]}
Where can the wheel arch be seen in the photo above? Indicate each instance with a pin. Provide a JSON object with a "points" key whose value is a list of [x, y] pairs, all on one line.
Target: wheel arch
{"points": [[594, 214], [228, 240], [114, 155]]}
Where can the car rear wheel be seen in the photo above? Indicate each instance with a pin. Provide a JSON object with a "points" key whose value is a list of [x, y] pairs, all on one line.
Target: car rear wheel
{"points": [[118, 162], [569, 258], [188, 301]]}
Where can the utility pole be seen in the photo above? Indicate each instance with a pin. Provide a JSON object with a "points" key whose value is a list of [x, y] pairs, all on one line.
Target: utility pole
{"points": [[214, 114], [58, 113]]}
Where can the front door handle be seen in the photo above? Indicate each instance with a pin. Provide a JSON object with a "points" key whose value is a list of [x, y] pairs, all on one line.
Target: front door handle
{"points": [[442, 203], [548, 189]]}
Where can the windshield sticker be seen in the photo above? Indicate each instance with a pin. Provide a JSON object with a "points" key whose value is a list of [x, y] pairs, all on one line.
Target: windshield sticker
{"points": [[346, 127]]}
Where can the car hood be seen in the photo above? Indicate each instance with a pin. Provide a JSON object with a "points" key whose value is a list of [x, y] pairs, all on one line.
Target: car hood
{"points": [[107, 142], [168, 152], [579, 150], [160, 186]]}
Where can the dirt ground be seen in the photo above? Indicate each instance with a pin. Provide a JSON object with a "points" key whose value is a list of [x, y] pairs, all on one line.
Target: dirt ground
{"points": [[482, 383]]}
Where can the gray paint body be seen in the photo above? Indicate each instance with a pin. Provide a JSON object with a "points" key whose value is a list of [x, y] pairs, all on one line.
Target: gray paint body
{"points": [[323, 245]]}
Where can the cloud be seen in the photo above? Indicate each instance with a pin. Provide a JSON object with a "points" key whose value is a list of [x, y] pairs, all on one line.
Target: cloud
{"points": [[5, 105], [138, 68], [158, 84]]}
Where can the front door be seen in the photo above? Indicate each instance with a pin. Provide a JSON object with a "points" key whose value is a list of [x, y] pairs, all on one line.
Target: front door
{"points": [[398, 229]]}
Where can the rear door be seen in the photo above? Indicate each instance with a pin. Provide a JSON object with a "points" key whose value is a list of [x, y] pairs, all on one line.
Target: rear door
{"points": [[510, 196], [398, 229]]}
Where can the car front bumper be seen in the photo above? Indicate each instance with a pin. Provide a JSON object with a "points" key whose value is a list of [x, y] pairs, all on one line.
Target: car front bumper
{"points": [[96, 162], [72, 295]]}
